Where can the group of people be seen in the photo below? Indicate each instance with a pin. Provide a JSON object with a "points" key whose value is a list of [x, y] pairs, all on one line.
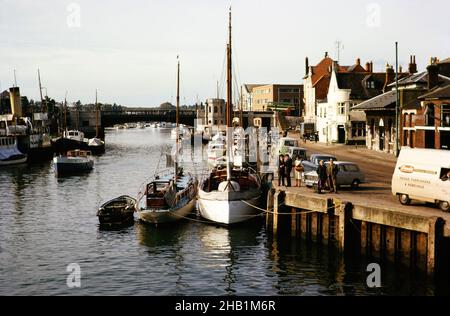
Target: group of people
{"points": [[327, 176], [285, 166]]}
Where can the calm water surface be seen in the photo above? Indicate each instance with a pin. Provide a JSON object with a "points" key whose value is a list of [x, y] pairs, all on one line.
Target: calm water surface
{"points": [[47, 223]]}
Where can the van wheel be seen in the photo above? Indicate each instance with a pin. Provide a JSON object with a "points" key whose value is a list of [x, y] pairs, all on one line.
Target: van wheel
{"points": [[445, 206], [355, 184], [404, 199]]}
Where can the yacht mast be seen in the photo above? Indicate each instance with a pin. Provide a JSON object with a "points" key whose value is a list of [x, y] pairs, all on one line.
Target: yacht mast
{"points": [[96, 115], [177, 120], [65, 112], [229, 102]]}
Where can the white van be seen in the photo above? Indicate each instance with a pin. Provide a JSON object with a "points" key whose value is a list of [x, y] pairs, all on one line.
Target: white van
{"points": [[285, 144], [423, 175]]}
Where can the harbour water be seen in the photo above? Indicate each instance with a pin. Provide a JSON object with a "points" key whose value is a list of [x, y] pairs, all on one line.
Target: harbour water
{"points": [[47, 223]]}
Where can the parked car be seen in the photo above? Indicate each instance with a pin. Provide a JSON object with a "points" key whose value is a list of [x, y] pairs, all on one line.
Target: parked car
{"points": [[349, 174], [313, 161], [423, 175]]}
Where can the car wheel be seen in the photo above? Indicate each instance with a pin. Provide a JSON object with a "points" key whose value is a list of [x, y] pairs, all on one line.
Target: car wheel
{"points": [[404, 199], [445, 206], [355, 184]]}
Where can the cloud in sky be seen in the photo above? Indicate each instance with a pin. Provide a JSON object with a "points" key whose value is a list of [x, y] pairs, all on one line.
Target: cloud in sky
{"points": [[127, 49]]}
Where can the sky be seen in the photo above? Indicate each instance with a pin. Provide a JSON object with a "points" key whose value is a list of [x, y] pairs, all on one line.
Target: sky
{"points": [[128, 49]]}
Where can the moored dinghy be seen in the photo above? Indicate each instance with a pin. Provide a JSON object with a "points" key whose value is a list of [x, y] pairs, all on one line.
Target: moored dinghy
{"points": [[118, 211]]}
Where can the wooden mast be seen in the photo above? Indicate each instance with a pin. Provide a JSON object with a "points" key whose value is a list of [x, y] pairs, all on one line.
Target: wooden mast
{"points": [[40, 91], [96, 115], [229, 103], [65, 112], [177, 121]]}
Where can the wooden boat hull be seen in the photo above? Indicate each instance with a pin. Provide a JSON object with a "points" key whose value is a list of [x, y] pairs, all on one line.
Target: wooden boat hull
{"points": [[118, 211], [162, 216]]}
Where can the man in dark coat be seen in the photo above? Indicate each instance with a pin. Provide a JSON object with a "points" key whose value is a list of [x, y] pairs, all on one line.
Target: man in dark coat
{"points": [[332, 171], [281, 171], [288, 163], [322, 174]]}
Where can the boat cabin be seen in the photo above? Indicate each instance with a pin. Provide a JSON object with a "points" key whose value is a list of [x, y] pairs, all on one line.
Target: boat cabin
{"points": [[245, 179], [156, 192], [74, 135], [78, 153]]}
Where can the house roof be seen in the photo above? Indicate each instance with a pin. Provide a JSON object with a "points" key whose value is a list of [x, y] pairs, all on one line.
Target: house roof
{"points": [[438, 93], [380, 102], [357, 83], [421, 78], [250, 87]]}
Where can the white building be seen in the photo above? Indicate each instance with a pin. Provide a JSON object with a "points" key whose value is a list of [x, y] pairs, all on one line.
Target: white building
{"points": [[336, 121]]}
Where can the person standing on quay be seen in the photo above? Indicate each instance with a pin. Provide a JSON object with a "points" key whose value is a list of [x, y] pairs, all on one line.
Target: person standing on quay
{"points": [[322, 174], [332, 171], [288, 163], [281, 171], [298, 171]]}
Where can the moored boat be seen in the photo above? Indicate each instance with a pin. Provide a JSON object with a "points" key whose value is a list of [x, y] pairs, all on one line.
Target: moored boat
{"points": [[74, 161], [9, 154], [230, 195], [170, 195], [118, 211]]}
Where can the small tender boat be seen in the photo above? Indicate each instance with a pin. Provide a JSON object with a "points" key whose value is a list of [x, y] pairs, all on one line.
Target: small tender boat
{"points": [[75, 161], [118, 211]]}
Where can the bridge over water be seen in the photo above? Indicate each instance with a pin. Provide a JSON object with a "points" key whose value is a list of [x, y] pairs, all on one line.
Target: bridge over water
{"points": [[129, 115]]}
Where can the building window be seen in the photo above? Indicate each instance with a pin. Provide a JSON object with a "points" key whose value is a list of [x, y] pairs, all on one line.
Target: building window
{"points": [[358, 129], [85, 123], [209, 110], [445, 115], [429, 115], [370, 84], [341, 108]]}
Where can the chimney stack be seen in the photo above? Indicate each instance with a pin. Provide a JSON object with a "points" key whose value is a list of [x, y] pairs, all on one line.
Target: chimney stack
{"points": [[412, 68], [326, 54], [368, 67], [306, 66], [358, 61], [371, 66], [433, 74], [390, 76]]}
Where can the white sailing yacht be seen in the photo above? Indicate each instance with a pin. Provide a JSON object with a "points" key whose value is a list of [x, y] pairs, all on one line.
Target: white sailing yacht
{"points": [[170, 195], [229, 195]]}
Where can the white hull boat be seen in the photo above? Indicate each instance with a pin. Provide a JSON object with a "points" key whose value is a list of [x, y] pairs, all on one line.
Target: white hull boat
{"points": [[229, 207]]}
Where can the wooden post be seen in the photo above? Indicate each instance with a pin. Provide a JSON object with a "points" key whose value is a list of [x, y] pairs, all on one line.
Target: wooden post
{"points": [[435, 237], [294, 222], [390, 243], [364, 237]]}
